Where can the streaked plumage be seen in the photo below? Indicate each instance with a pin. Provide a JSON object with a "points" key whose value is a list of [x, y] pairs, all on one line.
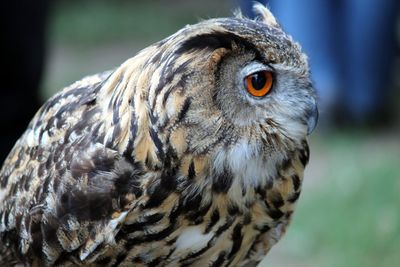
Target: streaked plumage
{"points": [[165, 161]]}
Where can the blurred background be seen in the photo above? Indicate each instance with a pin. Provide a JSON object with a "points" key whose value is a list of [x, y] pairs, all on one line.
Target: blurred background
{"points": [[349, 211]]}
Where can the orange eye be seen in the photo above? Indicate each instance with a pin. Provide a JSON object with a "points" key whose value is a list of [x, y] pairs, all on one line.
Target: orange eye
{"points": [[259, 83]]}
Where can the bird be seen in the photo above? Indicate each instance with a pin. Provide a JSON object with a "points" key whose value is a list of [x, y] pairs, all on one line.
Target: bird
{"points": [[190, 153]]}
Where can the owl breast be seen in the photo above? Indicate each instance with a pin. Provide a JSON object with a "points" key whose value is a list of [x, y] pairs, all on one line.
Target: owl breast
{"points": [[232, 212]]}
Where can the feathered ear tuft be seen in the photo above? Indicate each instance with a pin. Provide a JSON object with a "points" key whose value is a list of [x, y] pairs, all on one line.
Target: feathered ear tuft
{"points": [[265, 15], [237, 13]]}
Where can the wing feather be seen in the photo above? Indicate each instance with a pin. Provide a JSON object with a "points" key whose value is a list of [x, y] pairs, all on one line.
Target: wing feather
{"points": [[63, 192]]}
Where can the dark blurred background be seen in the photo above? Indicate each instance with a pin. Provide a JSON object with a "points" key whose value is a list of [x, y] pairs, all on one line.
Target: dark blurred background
{"points": [[349, 212]]}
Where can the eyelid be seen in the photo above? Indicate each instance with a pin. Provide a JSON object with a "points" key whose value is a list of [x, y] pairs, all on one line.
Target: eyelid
{"points": [[254, 67]]}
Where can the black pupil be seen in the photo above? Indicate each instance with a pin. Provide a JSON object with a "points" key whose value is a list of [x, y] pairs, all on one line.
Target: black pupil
{"points": [[258, 80]]}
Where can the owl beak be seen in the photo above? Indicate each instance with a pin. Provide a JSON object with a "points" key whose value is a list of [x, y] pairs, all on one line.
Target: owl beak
{"points": [[312, 119]]}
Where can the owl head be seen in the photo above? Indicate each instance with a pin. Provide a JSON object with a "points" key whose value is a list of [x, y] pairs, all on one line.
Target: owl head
{"points": [[235, 89]]}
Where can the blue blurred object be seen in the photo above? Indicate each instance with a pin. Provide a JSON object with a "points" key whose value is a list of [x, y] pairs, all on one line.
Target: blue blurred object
{"points": [[351, 46]]}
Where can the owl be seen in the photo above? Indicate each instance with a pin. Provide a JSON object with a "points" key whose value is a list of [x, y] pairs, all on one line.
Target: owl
{"points": [[191, 153]]}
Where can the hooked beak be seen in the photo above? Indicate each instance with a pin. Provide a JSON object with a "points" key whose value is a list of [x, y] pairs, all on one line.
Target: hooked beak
{"points": [[312, 119]]}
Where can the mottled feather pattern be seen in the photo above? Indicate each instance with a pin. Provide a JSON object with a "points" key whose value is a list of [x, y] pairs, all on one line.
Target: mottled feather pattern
{"points": [[160, 162]]}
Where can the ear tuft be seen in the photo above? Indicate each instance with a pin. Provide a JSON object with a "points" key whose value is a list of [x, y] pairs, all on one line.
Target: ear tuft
{"points": [[237, 13], [266, 15]]}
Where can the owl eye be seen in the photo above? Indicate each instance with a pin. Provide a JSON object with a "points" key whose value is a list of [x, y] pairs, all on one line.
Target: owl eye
{"points": [[259, 83]]}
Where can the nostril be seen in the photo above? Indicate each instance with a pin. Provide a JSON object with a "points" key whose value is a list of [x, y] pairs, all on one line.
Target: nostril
{"points": [[312, 119]]}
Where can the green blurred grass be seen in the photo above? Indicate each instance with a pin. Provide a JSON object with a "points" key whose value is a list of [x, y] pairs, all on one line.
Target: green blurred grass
{"points": [[348, 214], [358, 207], [88, 22]]}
